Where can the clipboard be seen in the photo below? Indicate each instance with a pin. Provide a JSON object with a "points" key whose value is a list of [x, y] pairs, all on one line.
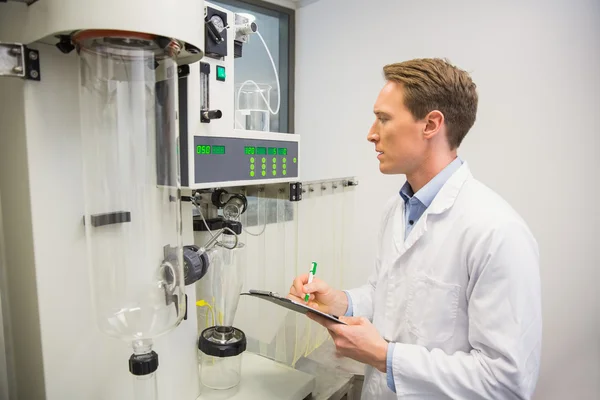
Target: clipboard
{"points": [[290, 304]]}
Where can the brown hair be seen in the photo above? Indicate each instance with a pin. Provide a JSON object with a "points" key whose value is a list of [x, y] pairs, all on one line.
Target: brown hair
{"points": [[434, 84]]}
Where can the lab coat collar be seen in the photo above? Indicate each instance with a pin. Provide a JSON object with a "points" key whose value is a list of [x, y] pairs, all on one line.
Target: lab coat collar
{"points": [[449, 192], [428, 192], [443, 201]]}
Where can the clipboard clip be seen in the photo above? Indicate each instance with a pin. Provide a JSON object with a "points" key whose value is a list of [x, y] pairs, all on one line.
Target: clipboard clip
{"points": [[264, 293]]}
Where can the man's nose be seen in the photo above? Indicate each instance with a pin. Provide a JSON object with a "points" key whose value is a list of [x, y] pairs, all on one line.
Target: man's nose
{"points": [[373, 135]]}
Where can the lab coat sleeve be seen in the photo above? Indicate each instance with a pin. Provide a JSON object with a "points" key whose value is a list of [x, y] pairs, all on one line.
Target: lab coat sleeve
{"points": [[505, 324]]}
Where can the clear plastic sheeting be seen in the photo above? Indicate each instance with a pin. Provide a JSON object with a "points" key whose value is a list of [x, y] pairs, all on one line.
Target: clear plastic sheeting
{"points": [[131, 187], [282, 239]]}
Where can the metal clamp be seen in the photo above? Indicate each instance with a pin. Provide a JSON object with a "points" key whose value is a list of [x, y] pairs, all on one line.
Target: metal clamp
{"points": [[296, 191], [17, 60]]}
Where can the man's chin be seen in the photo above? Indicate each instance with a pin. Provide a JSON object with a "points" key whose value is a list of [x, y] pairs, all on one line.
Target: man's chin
{"points": [[388, 170], [384, 169]]}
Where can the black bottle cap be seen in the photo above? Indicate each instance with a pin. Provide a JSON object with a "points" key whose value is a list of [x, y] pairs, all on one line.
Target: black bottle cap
{"points": [[233, 347], [143, 364]]}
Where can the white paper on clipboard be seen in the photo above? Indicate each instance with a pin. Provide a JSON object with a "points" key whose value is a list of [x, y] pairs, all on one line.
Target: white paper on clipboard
{"points": [[290, 304]]}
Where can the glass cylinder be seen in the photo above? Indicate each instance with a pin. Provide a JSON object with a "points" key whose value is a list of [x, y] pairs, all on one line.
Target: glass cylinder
{"points": [[131, 183], [144, 387], [220, 372], [252, 107], [220, 352]]}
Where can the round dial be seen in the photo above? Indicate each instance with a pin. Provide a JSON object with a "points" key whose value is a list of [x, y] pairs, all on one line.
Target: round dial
{"points": [[218, 23]]}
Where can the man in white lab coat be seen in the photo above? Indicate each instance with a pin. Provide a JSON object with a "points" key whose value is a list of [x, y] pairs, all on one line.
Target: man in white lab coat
{"points": [[452, 309]]}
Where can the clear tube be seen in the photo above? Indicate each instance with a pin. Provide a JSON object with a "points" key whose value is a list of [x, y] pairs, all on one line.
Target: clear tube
{"points": [[131, 186], [144, 387]]}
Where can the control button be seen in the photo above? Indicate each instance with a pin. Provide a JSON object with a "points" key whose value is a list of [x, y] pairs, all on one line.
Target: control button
{"points": [[274, 159], [251, 159], [264, 173], [252, 172], [274, 173], [284, 172], [295, 160], [221, 73], [252, 167], [264, 160], [264, 166], [284, 166], [284, 160]]}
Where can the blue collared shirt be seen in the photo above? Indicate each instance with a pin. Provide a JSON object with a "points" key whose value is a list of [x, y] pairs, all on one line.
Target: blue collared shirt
{"points": [[415, 205]]}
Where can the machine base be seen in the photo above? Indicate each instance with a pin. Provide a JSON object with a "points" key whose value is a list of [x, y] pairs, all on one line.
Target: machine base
{"points": [[265, 379]]}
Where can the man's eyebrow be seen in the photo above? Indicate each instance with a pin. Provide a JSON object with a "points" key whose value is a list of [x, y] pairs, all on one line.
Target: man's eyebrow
{"points": [[379, 112]]}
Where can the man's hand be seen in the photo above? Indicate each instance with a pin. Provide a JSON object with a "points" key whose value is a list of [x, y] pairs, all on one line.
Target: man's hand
{"points": [[322, 296], [358, 340]]}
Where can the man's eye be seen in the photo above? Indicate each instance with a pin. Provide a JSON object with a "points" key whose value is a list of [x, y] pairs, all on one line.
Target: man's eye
{"points": [[382, 120]]}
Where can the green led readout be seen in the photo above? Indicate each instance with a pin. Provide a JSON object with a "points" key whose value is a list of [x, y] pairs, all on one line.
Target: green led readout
{"points": [[218, 149], [272, 151], [203, 149], [206, 149]]}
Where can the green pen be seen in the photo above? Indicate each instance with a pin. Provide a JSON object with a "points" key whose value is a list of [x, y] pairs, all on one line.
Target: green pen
{"points": [[311, 274]]}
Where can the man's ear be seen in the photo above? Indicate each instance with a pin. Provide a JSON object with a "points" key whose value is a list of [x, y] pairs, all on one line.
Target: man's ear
{"points": [[433, 124]]}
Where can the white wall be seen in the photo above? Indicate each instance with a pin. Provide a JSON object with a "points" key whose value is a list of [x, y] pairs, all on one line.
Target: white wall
{"points": [[536, 139]]}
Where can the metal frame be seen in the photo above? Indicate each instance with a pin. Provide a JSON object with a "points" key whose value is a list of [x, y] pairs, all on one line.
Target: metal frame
{"points": [[262, 6]]}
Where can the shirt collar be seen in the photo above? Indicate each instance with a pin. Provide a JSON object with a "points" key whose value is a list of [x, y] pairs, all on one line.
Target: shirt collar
{"points": [[428, 192]]}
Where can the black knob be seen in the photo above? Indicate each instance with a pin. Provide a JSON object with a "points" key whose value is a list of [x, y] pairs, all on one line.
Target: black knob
{"points": [[195, 265]]}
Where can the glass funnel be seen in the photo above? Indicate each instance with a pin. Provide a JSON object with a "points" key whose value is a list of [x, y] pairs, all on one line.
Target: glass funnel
{"points": [[131, 183]]}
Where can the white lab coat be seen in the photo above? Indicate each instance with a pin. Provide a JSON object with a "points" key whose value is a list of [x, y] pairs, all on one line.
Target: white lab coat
{"points": [[460, 297]]}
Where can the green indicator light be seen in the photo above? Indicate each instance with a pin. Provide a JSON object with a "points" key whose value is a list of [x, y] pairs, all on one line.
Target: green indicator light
{"points": [[264, 166], [284, 172], [252, 167], [251, 159], [264, 173], [295, 160], [274, 166], [264, 160], [221, 75], [274, 173], [284, 166], [274, 159], [284, 160], [251, 173]]}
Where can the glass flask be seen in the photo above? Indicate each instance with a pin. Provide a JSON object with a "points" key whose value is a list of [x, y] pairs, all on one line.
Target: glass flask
{"points": [[131, 183], [252, 107], [220, 345]]}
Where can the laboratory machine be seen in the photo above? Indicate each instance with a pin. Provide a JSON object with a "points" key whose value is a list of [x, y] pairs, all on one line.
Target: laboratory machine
{"points": [[142, 188]]}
